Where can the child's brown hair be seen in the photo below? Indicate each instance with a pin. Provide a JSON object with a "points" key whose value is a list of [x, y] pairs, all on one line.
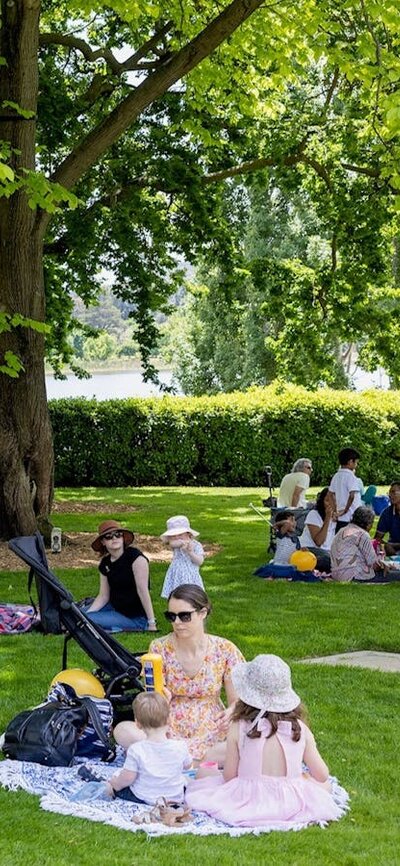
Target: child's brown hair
{"points": [[151, 710], [249, 714]]}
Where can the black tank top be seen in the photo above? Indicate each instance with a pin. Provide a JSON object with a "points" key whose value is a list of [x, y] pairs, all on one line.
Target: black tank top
{"points": [[123, 593]]}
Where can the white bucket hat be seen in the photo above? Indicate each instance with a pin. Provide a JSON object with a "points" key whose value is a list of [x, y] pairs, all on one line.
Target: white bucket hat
{"points": [[177, 525], [265, 683]]}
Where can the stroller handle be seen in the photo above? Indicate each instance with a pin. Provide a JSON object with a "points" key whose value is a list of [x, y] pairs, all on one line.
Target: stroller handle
{"points": [[257, 510]]}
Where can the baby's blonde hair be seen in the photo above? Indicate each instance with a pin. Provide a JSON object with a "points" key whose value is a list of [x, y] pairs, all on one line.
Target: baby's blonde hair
{"points": [[151, 710]]}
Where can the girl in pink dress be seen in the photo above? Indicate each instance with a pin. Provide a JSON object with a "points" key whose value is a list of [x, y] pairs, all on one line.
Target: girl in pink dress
{"points": [[263, 782]]}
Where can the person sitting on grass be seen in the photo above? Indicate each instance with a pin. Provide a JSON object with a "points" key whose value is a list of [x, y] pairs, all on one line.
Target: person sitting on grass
{"points": [[123, 602], [196, 666], [287, 542], [389, 521], [352, 553], [153, 766], [292, 492], [263, 781], [319, 530]]}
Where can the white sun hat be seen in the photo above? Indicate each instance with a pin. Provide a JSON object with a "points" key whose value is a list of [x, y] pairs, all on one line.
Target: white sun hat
{"points": [[178, 525], [265, 683]]}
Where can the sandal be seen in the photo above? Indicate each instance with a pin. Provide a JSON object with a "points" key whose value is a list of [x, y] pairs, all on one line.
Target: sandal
{"points": [[169, 814]]}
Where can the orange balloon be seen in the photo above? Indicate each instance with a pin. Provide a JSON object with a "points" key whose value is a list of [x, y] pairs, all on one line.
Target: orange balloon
{"points": [[303, 560]]}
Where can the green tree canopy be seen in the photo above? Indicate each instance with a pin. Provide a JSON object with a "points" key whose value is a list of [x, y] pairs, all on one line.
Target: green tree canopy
{"points": [[118, 124]]}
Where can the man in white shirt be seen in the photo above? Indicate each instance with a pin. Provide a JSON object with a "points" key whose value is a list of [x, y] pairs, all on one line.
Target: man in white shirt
{"points": [[292, 492], [344, 487]]}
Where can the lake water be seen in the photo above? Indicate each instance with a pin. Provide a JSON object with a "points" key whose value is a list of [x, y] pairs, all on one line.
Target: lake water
{"points": [[106, 386], [129, 383]]}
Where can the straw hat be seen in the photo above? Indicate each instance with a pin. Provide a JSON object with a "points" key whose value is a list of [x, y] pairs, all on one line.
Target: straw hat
{"points": [[265, 683], [108, 526], [178, 525]]}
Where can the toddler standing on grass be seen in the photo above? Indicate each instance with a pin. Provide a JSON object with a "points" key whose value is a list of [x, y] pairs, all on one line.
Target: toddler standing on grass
{"points": [[188, 555]]}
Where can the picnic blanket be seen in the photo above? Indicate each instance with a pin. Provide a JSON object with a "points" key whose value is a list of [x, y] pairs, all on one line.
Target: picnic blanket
{"points": [[17, 618], [55, 786]]}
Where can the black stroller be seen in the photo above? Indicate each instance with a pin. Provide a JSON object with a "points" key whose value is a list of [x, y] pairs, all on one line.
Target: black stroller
{"points": [[271, 502], [118, 669]]}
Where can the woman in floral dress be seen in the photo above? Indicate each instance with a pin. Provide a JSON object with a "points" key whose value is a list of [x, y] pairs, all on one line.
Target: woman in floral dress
{"points": [[196, 667]]}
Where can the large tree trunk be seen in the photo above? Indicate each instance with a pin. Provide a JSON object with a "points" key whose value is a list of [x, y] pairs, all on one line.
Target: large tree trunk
{"points": [[26, 462]]}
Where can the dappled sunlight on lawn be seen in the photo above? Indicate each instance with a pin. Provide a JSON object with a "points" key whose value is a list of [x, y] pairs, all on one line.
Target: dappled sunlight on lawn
{"points": [[293, 620]]}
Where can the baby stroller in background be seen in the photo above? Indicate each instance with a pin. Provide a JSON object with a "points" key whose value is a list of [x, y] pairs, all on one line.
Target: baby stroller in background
{"points": [[271, 502], [118, 669]]}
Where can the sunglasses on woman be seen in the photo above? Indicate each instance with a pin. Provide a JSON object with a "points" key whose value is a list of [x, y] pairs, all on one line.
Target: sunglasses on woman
{"points": [[183, 615], [118, 533]]}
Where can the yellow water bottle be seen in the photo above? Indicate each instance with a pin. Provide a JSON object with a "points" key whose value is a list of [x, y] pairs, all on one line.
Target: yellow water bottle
{"points": [[152, 672]]}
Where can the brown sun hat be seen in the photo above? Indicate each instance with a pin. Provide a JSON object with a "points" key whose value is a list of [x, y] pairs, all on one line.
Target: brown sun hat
{"points": [[108, 526]]}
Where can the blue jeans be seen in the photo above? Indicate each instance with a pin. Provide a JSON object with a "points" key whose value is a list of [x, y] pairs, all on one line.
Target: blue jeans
{"points": [[127, 794], [111, 620]]}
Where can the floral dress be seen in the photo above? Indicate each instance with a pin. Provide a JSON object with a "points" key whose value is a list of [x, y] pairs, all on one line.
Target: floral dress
{"points": [[182, 570], [196, 701]]}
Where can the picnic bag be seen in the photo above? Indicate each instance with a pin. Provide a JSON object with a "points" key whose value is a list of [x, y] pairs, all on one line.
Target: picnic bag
{"points": [[92, 742], [46, 735], [49, 734]]}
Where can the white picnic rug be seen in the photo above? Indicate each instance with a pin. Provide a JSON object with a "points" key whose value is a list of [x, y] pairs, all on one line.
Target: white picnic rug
{"points": [[55, 785]]}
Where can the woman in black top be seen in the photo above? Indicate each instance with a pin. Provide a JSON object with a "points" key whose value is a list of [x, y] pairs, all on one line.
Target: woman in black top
{"points": [[123, 602]]}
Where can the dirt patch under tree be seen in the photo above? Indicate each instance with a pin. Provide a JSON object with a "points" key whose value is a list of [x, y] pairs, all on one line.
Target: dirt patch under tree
{"points": [[77, 553]]}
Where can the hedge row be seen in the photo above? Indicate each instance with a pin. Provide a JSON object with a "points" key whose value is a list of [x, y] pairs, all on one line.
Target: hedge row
{"points": [[224, 440]]}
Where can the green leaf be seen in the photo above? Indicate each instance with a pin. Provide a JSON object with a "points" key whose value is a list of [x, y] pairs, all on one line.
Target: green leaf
{"points": [[6, 173], [23, 112], [13, 365]]}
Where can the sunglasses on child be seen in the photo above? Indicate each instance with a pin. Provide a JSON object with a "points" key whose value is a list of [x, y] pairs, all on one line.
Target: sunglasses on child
{"points": [[183, 615], [118, 533]]}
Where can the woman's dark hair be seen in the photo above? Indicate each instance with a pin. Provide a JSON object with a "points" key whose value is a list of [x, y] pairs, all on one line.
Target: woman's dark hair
{"points": [[320, 503], [363, 516], [248, 714], [193, 594]]}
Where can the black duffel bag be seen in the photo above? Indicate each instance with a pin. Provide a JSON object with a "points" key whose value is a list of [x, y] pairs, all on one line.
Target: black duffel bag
{"points": [[47, 734]]}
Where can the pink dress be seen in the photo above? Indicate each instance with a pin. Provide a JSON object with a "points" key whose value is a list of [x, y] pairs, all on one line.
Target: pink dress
{"points": [[196, 701], [255, 800]]}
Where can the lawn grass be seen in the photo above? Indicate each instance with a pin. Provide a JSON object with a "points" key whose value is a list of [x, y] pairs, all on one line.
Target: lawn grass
{"points": [[353, 711]]}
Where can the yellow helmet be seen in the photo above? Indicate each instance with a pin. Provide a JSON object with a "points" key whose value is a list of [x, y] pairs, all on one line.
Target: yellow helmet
{"points": [[303, 560], [83, 682]]}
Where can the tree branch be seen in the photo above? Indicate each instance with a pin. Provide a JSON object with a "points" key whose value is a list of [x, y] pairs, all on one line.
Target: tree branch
{"points": [[117, 196], [246, 167], [319, 169], [69, 41], [98, 141], [92, 55], [330, 91], [360, 169]]}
